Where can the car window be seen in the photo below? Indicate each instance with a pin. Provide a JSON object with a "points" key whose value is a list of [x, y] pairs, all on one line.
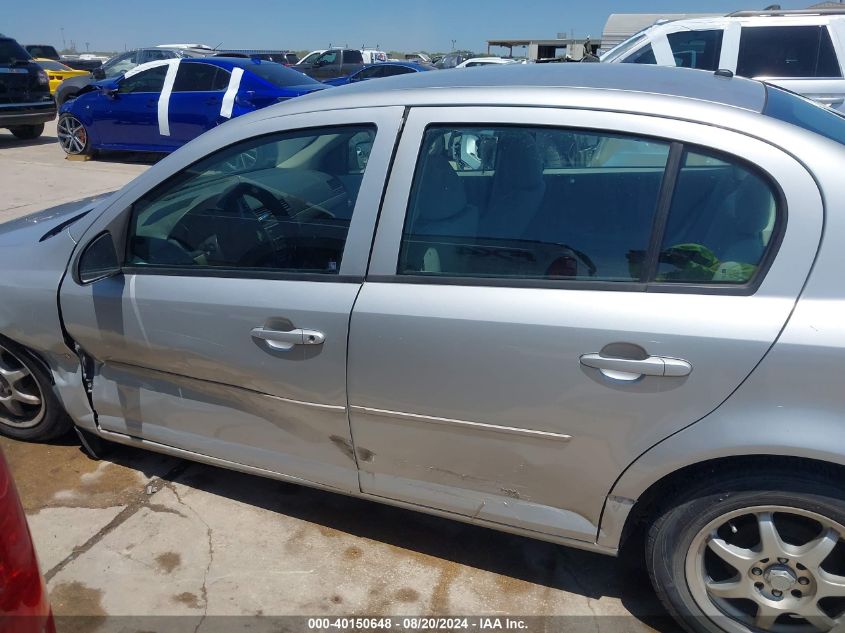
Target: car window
{"points": [[150, 80], [278, 75], [644, 55], [805, 113], [391, 71], [153, 55], [310, 58], [10, 50], [786, 51], [532, 203], [42, 51], [51, 65], [199, 77], [352, 57], [120, 64], [281, 202], [329, 57], [370, 73], [696, 49], [720, 223]]}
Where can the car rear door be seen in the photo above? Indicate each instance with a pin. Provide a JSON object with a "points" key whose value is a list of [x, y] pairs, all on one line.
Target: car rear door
{"points": [[553, 292], [196, 100], [225, 332]]}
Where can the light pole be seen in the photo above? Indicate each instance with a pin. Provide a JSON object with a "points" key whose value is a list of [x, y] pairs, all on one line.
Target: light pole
{"points": [[453, 44], [64, 45]]}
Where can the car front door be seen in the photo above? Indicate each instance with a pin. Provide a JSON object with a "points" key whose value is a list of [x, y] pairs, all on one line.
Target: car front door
{"points": [[225, 331], [553, 292], [327, 65], [130, 118], [197, 100]]}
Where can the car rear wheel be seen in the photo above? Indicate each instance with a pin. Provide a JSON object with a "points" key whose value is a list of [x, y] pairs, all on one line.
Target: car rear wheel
{"points": [[73, 136], [29, 409], [27, 132], [760, 553]]}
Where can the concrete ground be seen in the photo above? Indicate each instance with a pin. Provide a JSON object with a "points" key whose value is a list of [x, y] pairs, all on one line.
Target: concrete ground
{"points": [[140, 534]]}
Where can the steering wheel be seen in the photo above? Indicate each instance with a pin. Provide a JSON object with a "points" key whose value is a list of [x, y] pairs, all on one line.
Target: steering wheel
{"points": [[234, 198]]}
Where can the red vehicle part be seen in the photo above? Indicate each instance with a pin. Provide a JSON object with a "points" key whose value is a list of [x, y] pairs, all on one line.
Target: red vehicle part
{"points": [[24, 607]]}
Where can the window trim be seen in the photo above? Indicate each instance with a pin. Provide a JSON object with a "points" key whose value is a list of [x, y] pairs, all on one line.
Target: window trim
{"points": [[127, 230], [666, 195]]}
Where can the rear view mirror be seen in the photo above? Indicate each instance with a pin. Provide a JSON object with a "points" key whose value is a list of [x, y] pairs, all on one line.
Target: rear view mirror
{"points": [[98, 73], [98, 260]]}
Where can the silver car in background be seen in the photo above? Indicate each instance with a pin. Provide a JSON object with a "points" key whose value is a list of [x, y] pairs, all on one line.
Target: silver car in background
{"points": [[596, 305]]}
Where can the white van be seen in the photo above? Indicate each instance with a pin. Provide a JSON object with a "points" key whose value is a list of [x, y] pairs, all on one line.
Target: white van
{"points": [[372, 56], [802, 51]]}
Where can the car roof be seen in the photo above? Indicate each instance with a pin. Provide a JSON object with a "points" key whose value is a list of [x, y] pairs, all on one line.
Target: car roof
{"points": [[465, 86], [230, 62]]}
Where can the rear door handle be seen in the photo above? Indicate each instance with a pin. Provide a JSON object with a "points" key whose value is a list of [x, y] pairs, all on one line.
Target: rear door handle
{"points": [[287, 339], [651, 366]]}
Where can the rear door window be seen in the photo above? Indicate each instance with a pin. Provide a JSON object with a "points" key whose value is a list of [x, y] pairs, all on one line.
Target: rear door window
{"points": [[787, 51], [532, 203], [199, 77], [696, 49]]}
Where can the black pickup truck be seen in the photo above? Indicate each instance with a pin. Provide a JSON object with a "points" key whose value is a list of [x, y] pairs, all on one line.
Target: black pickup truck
{"points": [[335, 62], [25, 101]]}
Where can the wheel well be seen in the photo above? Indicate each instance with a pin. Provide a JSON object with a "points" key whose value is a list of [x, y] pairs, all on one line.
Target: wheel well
{"points": [[33, 356], [666, 491]]}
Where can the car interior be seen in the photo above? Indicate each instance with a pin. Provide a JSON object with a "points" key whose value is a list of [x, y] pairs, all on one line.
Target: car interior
{"points": [[556, 204], [283, 203]]}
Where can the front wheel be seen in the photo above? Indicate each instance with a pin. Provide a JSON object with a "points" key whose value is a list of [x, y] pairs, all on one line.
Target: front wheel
{"points": [[27, 132], [73, 136], [759, 553]]}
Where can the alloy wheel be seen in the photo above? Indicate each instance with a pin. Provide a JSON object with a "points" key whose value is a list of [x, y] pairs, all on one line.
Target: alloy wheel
{"points": [[21, 400], [73, 137], [770, 568]]}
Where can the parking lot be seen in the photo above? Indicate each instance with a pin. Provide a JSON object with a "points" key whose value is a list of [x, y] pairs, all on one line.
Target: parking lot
{"points": [[139, 534]]}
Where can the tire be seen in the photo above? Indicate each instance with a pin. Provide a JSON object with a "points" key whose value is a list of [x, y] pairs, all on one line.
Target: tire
{"points": [[27, 132], [29, 409], [64, 98], [767, 587], [73, 136]]}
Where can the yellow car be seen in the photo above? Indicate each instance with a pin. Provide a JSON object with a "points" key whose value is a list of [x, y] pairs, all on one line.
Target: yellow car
{"points": [[58, 72]]}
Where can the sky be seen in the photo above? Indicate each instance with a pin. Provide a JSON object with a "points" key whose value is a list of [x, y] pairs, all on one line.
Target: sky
{"points": [[402, 25]]}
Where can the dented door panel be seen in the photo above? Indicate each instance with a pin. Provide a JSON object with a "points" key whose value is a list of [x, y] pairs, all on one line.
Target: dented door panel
{"points": [[176, 364]]}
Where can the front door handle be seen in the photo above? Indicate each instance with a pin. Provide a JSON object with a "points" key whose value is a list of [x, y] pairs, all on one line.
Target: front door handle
{"points": [[287, 339], [651, 366]]}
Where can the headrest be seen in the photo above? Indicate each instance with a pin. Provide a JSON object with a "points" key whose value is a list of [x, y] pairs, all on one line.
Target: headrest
{"points": [[753, 206], [441, 193], [519, 164]]}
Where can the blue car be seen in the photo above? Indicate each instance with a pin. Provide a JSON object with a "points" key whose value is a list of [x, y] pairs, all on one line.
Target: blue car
{"points": [[382, 69], [160, 106]]}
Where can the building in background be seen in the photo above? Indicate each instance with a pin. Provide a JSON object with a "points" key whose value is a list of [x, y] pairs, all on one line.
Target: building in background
{"points": [[545, 50]]}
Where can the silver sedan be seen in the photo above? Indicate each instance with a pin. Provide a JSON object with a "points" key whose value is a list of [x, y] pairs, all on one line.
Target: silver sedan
{"points": [[595, 305]]}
